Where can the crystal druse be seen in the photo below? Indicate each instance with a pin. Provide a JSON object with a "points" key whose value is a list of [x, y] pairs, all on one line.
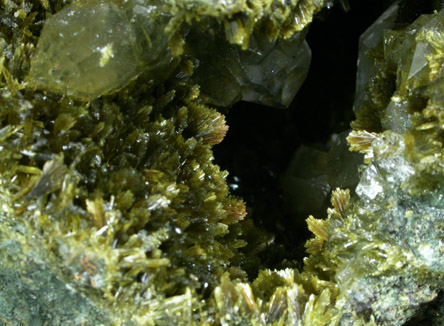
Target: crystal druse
{"points": [[113, 212]]}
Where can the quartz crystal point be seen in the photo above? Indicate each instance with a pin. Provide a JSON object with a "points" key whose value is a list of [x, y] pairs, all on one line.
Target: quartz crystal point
{"points": [[113, 212], [92, 48], [268, 72], [381, 248], [305, 182], [314, 172], [271, 72], [369, 40], [392, 249]]}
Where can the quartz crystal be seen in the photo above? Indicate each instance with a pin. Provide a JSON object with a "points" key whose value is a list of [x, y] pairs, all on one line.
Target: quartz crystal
{"points": [[314, 172], [113, 211], [381, 248], [271, 72], [369, 40], [90, 49], [401, 185], [268, 72], [305, 182], [94, 48]]}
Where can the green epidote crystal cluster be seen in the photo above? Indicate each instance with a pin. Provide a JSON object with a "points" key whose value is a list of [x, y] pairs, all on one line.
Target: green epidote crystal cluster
{"points": [[113, 212]]}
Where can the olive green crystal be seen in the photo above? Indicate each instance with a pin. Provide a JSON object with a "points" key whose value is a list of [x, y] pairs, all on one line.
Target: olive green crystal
{"points": [[114, 213], [108, 186]]}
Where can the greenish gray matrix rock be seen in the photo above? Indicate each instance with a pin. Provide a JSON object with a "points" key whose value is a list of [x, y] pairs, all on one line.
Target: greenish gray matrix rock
{"points": [[376, 259], [113, 212]]}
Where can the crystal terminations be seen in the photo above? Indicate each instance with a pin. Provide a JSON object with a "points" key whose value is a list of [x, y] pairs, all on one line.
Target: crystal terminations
{"points": [[94, 47], [115, 203], [112, 210]]}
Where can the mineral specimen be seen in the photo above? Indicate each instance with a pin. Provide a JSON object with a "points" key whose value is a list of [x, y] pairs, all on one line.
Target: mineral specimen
{"points": [[376, 259], [380, 250], [112, 203], [113, 212], [313, 173], [369, 40]]}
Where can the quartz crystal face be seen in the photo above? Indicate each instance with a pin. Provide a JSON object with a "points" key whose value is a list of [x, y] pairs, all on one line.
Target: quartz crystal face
{"points": [[267, 72], [113, 212], [86, 51], [273, 72], [93, 48], [313, 173], [369, 40], [90, 49]]}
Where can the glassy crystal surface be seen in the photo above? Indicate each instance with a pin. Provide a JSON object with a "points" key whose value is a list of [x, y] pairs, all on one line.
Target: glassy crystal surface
{"points": [[305, 182], [271, 73], [368, 41], [120, 216], [89, 49], [313, 173], [400, 191], [397, 117], [93, 48], [343, 165], [116, 210], [268, 72], [399, 219]]}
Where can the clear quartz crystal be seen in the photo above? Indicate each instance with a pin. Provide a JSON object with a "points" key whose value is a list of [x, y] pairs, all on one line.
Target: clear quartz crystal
{"points": [[343, 165], [268, 72], [313, 173], [370, 39], [273, 72], [92, 48], [400, 226], [397, 117], [419, 61], [305, 182]]}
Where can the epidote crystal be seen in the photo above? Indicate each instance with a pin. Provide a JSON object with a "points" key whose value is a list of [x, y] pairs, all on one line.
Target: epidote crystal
{"points": [[115, 203], [116, 206]]}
